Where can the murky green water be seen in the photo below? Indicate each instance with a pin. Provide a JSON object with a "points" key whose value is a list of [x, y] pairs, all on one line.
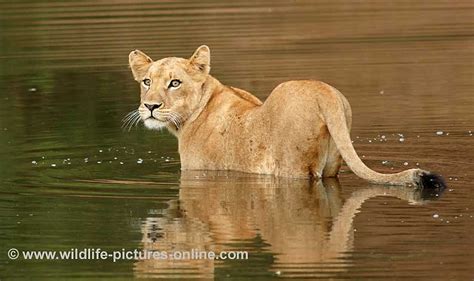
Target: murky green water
{"points": [[70, 177]]}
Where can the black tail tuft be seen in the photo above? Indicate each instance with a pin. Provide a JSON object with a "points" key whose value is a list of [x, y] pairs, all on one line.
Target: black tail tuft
{"points": [[432, 185]]}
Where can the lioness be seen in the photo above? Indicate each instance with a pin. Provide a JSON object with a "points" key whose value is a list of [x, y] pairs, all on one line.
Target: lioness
{"points": [[301, 130]]}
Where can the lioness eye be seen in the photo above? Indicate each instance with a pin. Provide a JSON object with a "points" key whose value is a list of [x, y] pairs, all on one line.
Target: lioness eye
{"points": [[146, 82], [174, 83]]}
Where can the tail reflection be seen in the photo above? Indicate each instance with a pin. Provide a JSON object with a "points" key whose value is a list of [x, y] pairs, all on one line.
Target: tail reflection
{"points": [[304, 223]]}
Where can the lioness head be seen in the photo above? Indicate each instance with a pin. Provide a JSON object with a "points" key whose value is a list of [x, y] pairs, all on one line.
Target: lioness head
{"points": [[171, 88]]}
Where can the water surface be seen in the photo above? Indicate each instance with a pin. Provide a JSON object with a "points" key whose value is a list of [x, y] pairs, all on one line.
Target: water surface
{"points": [[70, 177]]}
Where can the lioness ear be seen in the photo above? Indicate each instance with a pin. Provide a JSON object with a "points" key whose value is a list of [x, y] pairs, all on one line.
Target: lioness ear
{"points": [[201, 59], [139, 63]]}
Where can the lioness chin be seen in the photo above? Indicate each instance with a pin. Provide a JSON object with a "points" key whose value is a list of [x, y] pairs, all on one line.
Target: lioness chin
{"points": [[301, 130]]}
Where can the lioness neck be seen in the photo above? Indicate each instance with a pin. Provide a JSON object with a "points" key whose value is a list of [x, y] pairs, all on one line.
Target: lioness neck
{"points": [[219, 102]]}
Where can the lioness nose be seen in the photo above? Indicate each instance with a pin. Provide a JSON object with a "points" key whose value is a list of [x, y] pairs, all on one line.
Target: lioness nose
{"points": [[154, 106]]}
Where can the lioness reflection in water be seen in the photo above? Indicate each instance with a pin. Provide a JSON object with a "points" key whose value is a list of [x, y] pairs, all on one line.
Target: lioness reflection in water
{"points": [[301, 222]]}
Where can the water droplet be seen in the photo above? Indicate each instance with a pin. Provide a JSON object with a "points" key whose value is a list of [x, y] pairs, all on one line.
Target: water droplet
{"points": [[401, 139], [439, 133], [34, 162], [435, 216], [139, 161], [53, 165], [406, 163]]}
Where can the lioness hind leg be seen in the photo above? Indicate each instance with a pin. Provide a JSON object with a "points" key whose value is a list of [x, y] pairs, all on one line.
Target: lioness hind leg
{"points": [[333, 162]]}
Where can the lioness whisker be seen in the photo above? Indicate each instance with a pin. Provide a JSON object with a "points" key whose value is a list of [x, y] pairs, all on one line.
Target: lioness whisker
{"points": [[174, 122], [129, 117], [126, 126], [137, 121], [177, 120], [134, 122], [126, 122], [178, 116], [169, 116], [130, 114], [130, 120]]}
